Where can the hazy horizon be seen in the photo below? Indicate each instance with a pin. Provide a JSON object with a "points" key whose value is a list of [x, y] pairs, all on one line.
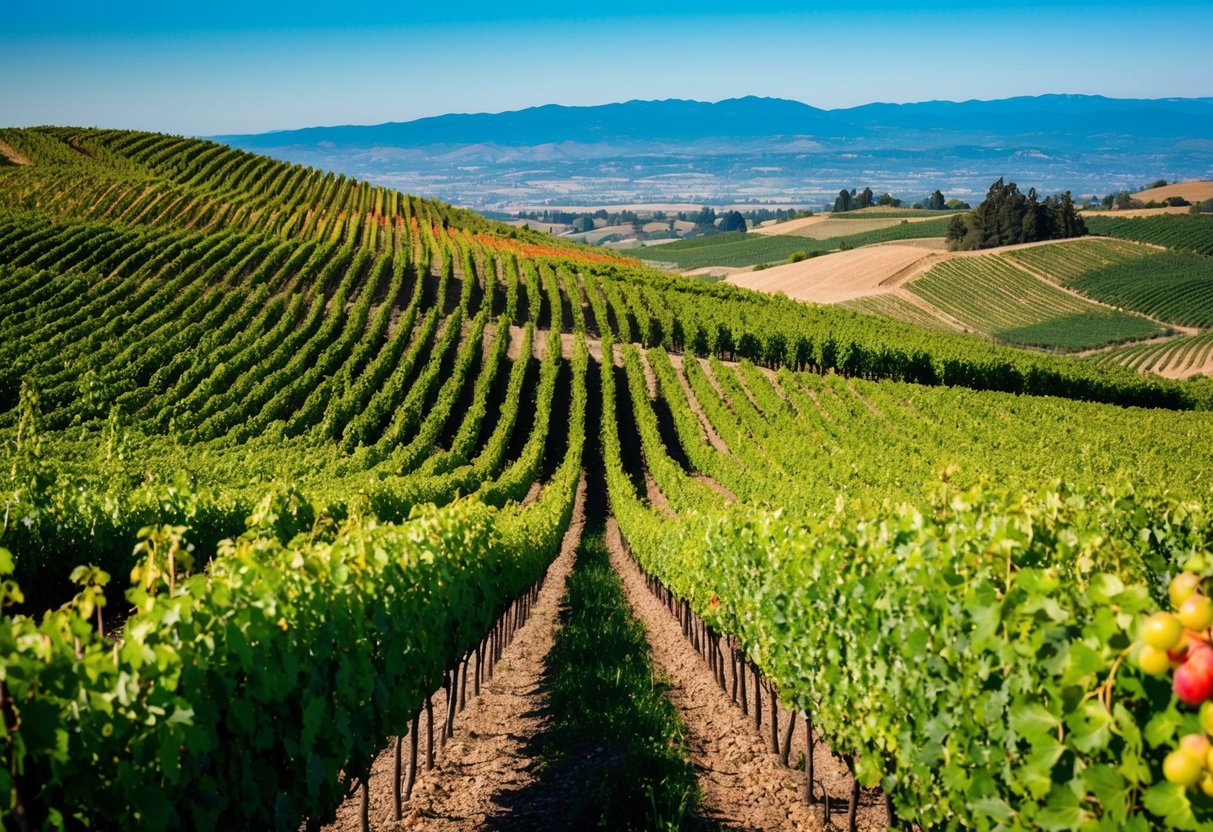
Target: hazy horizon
{"points": [[592, 105], [280, 66]]}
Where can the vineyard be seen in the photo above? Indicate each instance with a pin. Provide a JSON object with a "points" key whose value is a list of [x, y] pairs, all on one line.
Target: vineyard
{"points": [[1173, 358], [1173, 286], [1184, 232], [990, 295], [289, 458], [897, 308], [1067, 262]]}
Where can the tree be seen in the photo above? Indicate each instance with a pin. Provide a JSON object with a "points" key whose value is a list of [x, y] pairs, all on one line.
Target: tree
{"points": [[733, 221], [958, 205], [888, 199], [843, 202], [935, 202], [956, 229], [865, 198]]}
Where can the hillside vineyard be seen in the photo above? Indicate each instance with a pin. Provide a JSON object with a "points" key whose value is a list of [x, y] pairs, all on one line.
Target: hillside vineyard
{"points": [[287, 453]]}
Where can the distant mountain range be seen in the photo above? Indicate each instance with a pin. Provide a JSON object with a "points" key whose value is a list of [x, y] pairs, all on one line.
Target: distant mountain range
{"points": [[764, 149]]}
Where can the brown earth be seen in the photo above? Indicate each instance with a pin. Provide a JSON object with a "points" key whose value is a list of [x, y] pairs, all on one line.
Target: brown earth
{"points": [[844, 275], [1195, 191], [13, 155], [824, 226]]}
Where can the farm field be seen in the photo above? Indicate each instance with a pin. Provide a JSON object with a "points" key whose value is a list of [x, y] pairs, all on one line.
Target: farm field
{"points": [[749, 249], [1064, 263], [294, 462], [1195, 191], [901, 306], [842, 275], [1010, 294], [831, 226], [1176, 287], [1172, 358], [1172, 286], [1181, 232], [988, 294]]}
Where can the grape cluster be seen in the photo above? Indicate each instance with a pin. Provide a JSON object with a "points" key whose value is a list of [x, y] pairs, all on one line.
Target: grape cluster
{"points": [[1180, 641]]}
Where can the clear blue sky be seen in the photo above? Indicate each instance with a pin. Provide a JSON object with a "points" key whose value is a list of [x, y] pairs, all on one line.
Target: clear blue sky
{"points": [[225, 67]]}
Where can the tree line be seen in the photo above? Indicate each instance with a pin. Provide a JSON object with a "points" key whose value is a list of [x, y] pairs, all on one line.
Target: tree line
{"points": [[854, 200]]}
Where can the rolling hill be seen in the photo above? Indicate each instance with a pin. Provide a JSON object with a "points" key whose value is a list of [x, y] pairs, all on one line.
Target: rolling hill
{"points": [[289, 458]]}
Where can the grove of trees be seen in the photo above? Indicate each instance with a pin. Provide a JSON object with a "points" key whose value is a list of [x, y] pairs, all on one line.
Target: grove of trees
{"points": [[1007, 217], [852, 201], [733, 221]]}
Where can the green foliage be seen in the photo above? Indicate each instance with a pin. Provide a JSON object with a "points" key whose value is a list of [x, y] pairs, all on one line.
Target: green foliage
{"points": [[1008, 217], [733, 221], [968, 652], [303, 377], [1080, 330], [1185, 232], [1173, 286]]}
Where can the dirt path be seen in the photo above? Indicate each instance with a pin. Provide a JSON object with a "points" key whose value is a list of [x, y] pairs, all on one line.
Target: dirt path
{"points": [[13, 155], [656, 497], [490, 761], [697, 408], [745, 786], [715, 486]]}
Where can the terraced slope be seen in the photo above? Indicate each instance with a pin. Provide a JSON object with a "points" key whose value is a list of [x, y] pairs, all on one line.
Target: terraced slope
{"points": [[899, 308]]}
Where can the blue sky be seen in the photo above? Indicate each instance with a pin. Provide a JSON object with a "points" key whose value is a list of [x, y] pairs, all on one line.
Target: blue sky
{"points": [[225, 67]]}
